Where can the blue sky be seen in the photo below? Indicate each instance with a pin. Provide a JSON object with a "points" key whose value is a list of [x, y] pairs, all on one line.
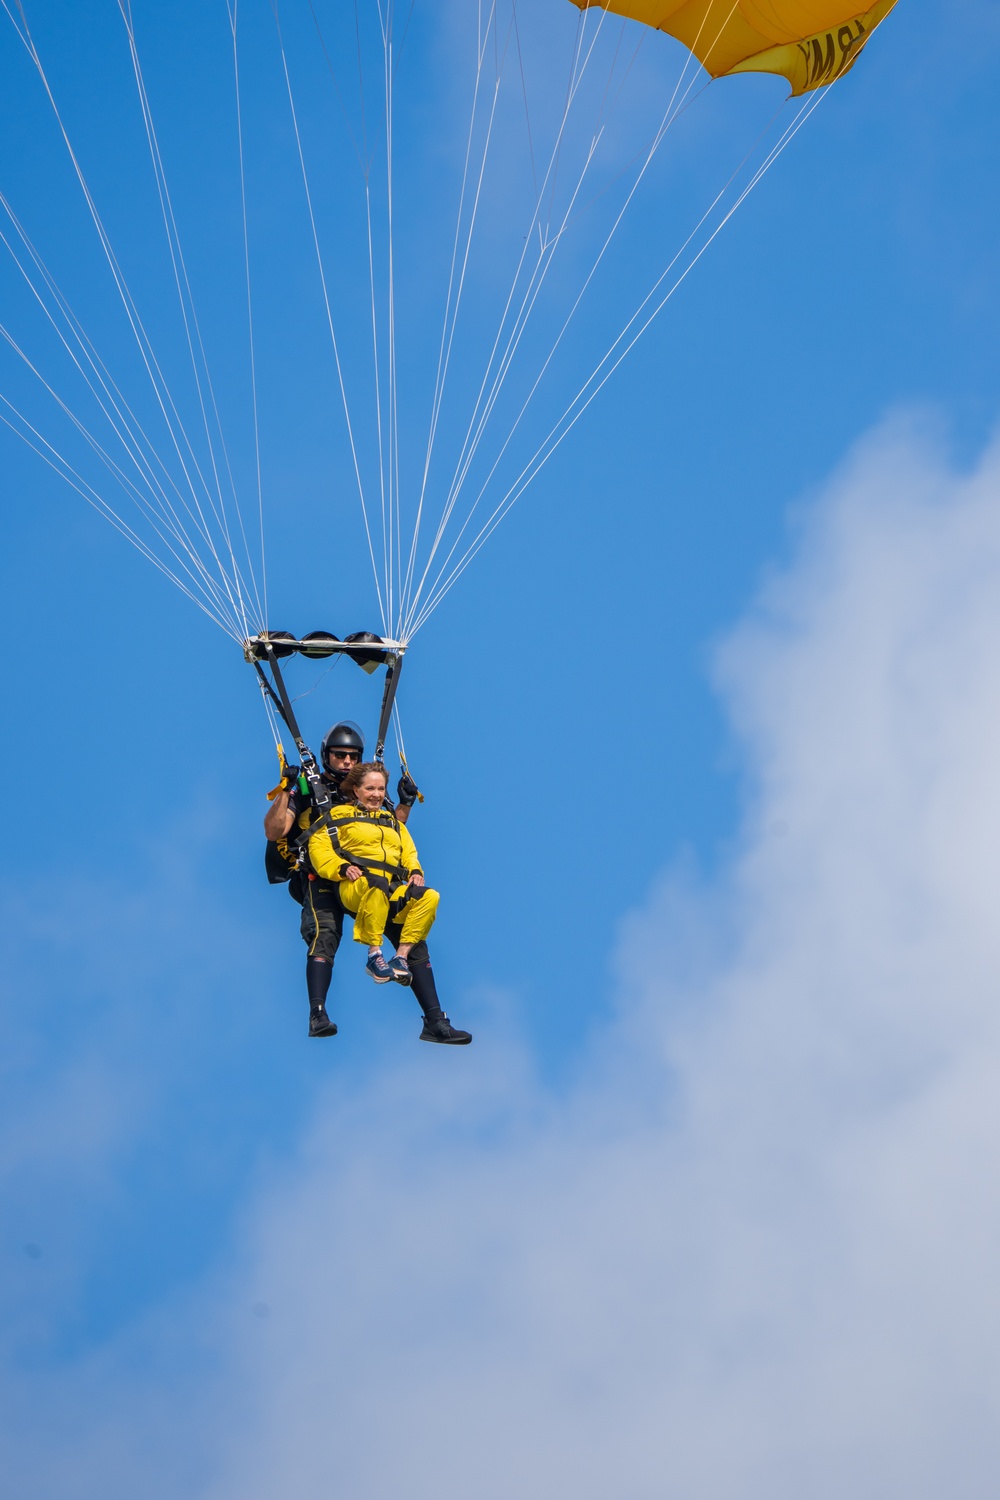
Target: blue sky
{"points": [[759, 576]]}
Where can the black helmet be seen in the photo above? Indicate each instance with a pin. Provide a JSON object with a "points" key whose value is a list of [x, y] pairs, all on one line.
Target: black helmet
{"points": [[346, 735]]}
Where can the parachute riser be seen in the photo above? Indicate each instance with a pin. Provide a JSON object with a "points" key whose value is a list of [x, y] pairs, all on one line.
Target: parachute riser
{"points": [[321, 797], [395, 667]]}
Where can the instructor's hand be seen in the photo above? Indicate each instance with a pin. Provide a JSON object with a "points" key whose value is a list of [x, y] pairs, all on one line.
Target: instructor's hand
{"points": [[407, 790]]}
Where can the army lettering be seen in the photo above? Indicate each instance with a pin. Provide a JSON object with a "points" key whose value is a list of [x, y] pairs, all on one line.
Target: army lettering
{"points": [[828, 55]]}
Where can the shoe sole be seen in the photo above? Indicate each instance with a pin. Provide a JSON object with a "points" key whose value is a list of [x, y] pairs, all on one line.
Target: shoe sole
{"points": [[403, 979], [381, 978], [328, 1031], [448, 1041]]}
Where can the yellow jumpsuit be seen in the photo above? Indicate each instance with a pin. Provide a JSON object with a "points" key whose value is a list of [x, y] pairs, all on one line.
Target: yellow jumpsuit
{"points": [[381, 847]]}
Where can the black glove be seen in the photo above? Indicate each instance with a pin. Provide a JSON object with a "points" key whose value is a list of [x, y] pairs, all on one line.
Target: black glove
{"points": [[291, 774], [407, 791]]}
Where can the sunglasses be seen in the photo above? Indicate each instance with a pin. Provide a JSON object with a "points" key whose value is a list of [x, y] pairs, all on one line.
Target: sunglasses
{"points": [[343, 754]]}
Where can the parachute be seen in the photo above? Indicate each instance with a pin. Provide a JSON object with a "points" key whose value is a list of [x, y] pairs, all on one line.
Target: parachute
{"points": [[458, 195], [812, 43]]}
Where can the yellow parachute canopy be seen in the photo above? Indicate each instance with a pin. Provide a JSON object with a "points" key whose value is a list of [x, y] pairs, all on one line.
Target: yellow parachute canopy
{"points": [[810, 42]]}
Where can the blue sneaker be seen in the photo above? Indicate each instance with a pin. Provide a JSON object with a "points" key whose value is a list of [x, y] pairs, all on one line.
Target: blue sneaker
{"points": [[378, 968], [400, 970]]}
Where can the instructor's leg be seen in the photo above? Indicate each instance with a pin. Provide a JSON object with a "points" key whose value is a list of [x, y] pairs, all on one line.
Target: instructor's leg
{"points": [[421, 973], [437, 1027], [322, 927]]}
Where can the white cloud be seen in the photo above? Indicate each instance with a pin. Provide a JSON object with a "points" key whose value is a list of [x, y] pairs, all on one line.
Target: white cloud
{"points": [[752, 1255], [755, 1254]]}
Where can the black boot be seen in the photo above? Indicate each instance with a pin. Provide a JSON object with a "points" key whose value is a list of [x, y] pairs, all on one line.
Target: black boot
{"points": [[437, 1028], [318, 976], [320, 1023]]}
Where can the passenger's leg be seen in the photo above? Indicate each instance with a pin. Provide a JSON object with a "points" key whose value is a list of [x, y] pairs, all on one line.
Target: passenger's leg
{"points": [[370, 908], [411, 913], [418, 918]]}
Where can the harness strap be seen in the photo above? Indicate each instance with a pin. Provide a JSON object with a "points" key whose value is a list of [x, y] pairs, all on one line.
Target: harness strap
{"points": [[301, 840], [400, 899], [326, 820], [383, 816], [396, 903], [370, 866], [373, 864]]}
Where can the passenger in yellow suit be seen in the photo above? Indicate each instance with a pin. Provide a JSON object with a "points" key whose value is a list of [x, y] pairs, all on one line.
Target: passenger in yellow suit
{"points": [[371, 856]]}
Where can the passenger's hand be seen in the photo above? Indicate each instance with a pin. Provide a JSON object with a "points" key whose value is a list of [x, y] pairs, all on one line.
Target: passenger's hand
{"points": [[407, 790], [416, 879], [352, 873]]}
